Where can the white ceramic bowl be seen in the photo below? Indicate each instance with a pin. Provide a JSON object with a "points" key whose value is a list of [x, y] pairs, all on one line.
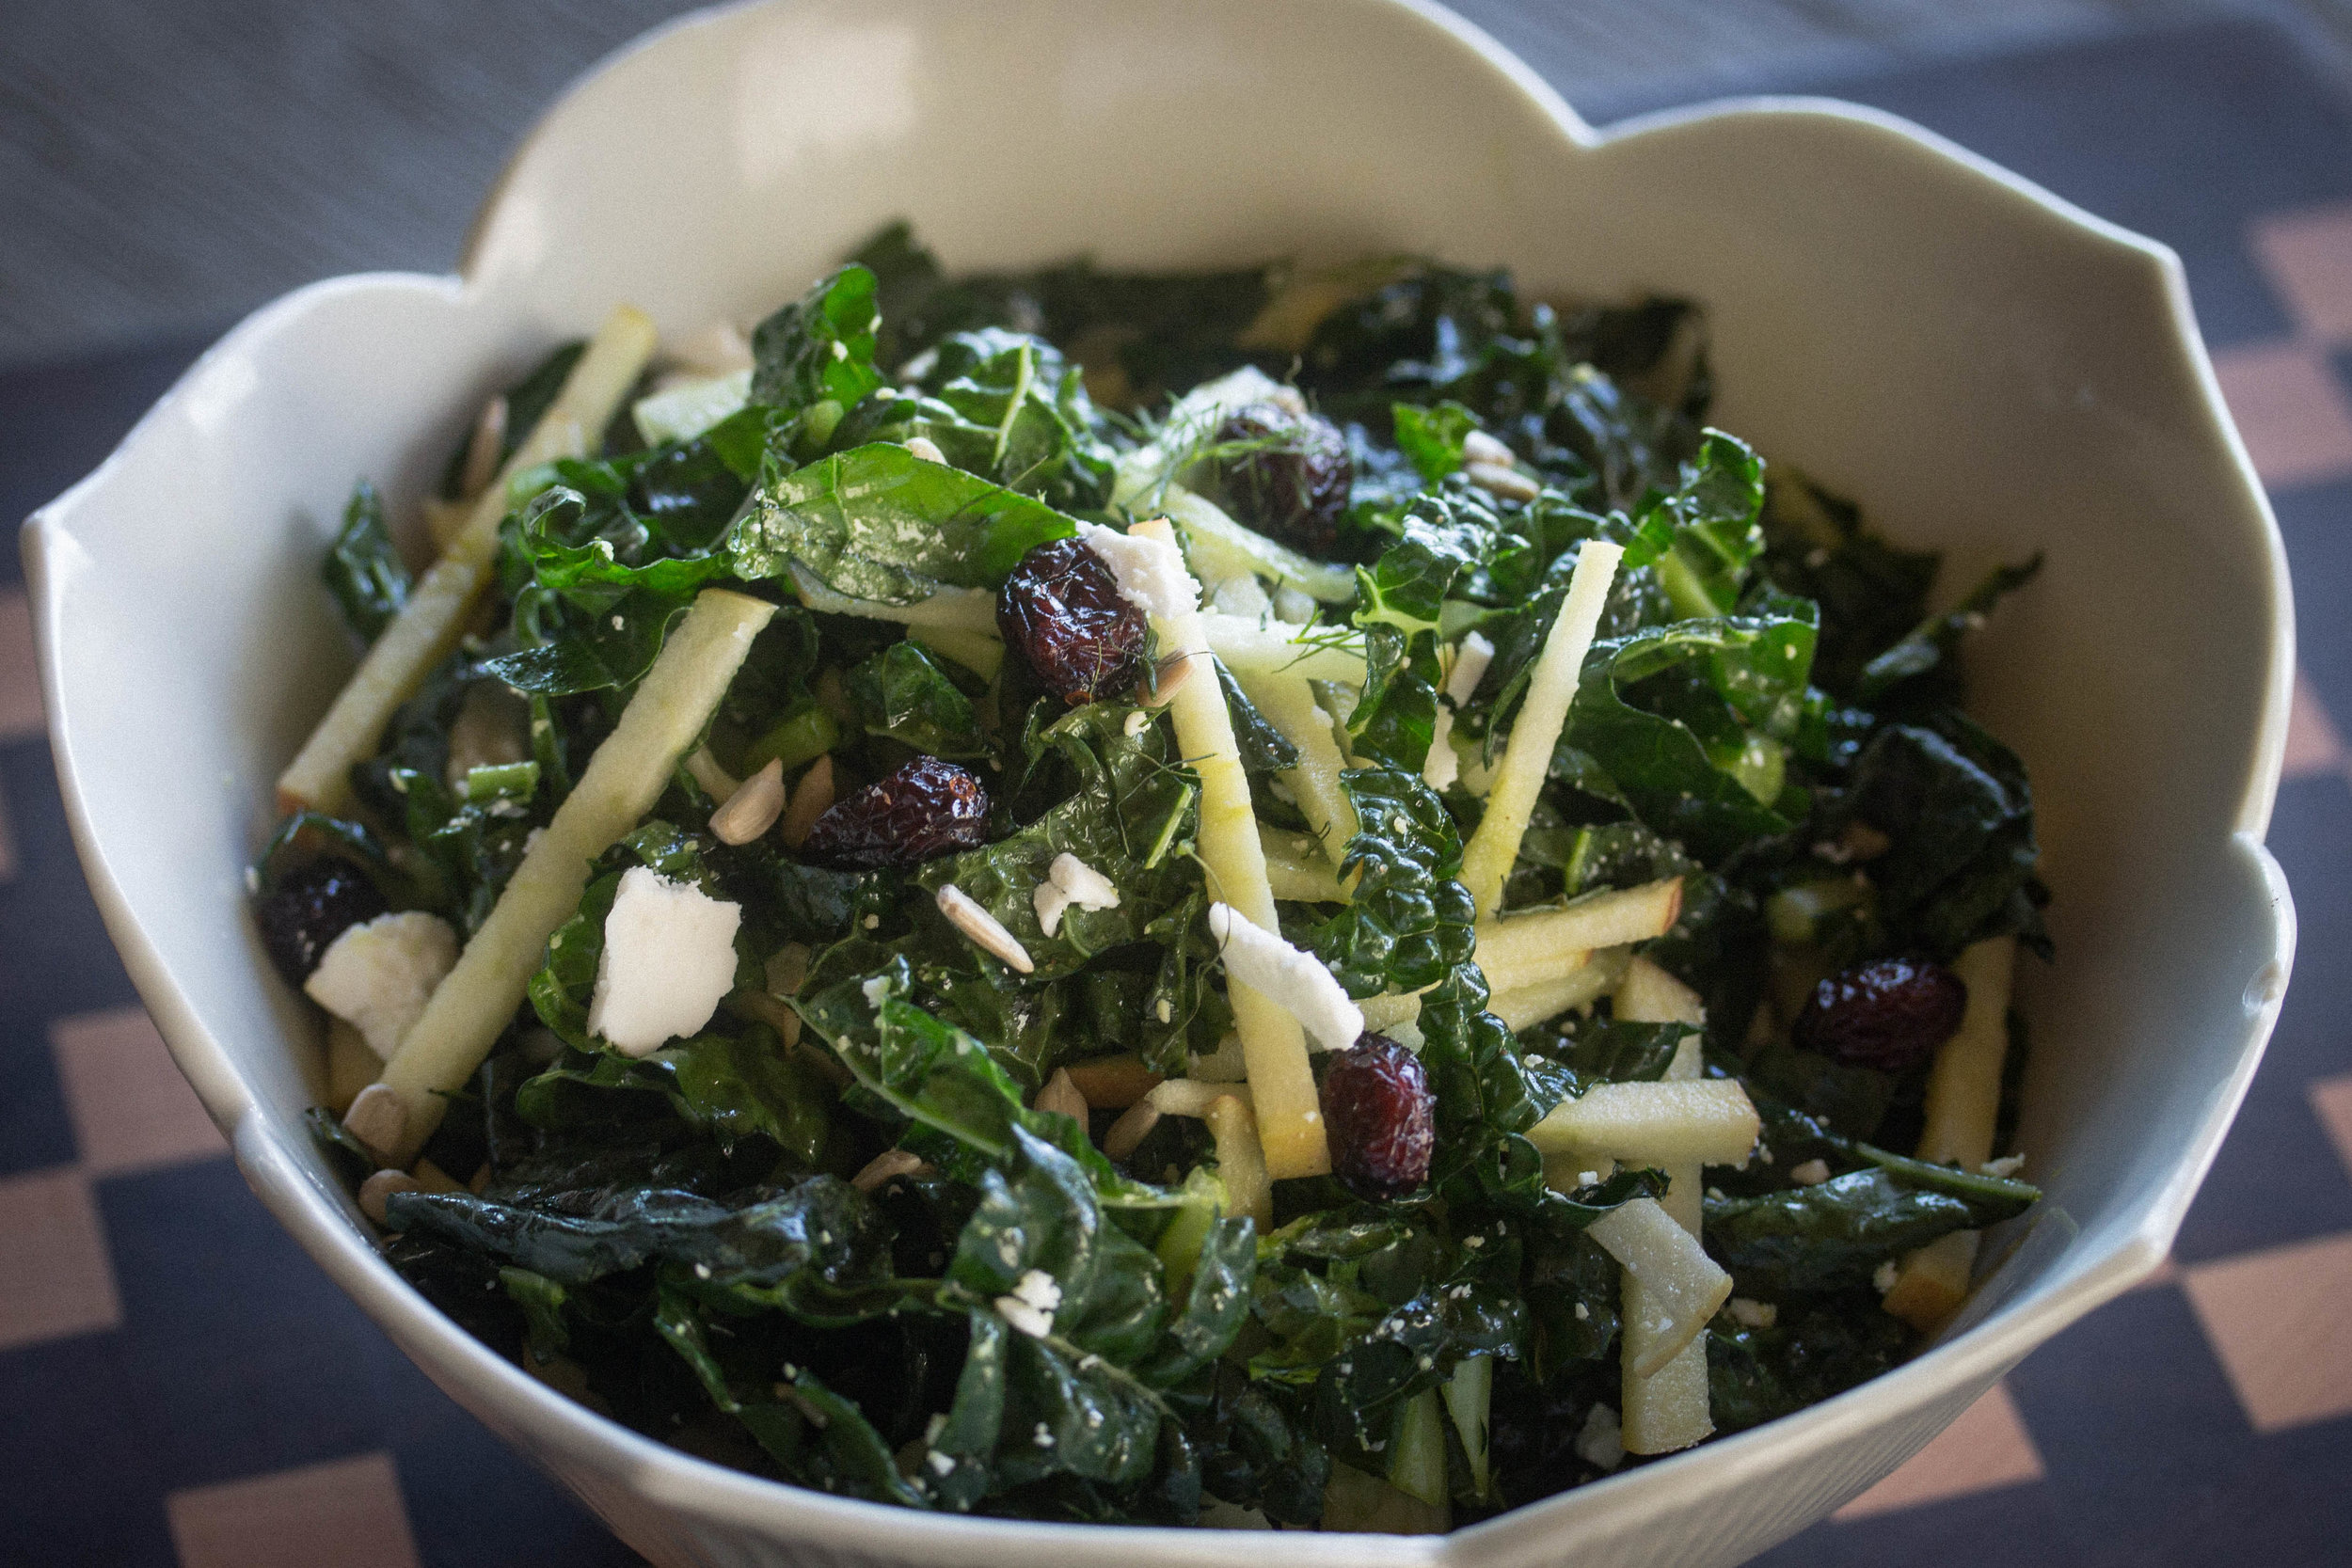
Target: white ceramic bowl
{"points": [[1987, 368]]}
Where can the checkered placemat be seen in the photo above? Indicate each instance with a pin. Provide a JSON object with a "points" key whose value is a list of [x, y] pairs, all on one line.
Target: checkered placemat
{"points": [[179, 1385]]}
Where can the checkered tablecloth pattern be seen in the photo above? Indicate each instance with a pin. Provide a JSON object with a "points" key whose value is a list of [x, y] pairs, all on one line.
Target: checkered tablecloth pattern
{"points": [[178, 1384]]}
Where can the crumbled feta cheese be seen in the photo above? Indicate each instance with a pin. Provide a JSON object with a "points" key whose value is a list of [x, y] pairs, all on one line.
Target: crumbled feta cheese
{"points": [[1752, 1314], [1136, 723], [1883, 1279], [1043, 1437], [378, 975], [1039, 1290], [1030, 1319], [669, 957], [1150, 572], [1582, 1313], [877, 989], [1469, 667], [1070, 881], [1811, 1174], [1602, 1441], [1588, 1179], [1296, 980], [939, 1463]]}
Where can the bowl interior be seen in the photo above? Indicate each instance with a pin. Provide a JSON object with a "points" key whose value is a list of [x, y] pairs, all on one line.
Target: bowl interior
{"points": [[1984, 370]]}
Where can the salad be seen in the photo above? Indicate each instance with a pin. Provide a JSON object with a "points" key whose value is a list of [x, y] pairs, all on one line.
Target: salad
{"points": [[1274, 896]]}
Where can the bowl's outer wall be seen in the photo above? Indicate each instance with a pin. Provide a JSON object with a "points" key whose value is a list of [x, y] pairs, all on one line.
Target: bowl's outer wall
{"points": [[1986, 371]]}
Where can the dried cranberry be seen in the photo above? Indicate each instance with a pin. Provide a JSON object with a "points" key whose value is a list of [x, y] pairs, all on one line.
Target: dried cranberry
{"points": [[1377, 1109], [1062, 611], [926, 809], [1890, 1013], [301, 917], [1288, 474]]}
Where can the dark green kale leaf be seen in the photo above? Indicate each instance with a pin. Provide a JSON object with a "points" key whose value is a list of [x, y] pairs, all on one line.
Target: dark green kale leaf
{"points": [[466, 838], [1007, 406], [1704, 534], [1690, 726], [596, 591], [1834, 1236], [1958, 807], [902, 693], [817, 1438], [1817, 1347], [962, 1108], [876, 522], [728, 1085], [820, 347], [1572, 1290], [1598, 1051], [1258, 1446], [1069, 1381], [1441, 541], [1871, 591], [1409, 922], [1432, 437], [1603, 855], [1127, 808], [1265, 749], [362, 568], [816, 1248], [1919, 669]]}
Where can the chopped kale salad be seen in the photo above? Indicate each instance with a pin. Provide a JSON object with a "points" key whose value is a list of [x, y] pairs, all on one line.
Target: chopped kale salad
{"points": [[1265, 896]]}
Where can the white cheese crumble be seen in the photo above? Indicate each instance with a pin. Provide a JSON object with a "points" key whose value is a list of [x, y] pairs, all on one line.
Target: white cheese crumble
{"points": [[669, 957], [1039, 1290], [1602, 1441], [1752, 1314], [1150, 572], [1295, 980], [1031, 1307], [378, 975], [877, 990], [1070, 881], [1811, 1174], [1884, 1280]]}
